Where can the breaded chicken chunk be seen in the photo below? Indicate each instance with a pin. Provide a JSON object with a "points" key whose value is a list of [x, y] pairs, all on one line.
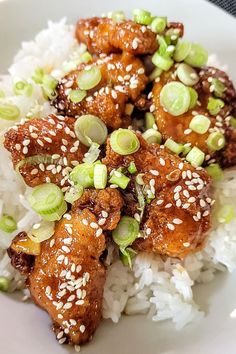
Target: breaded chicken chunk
{"points": [[177, 127], [122, 80], [176, 217], [44, 150], [103, 35]]}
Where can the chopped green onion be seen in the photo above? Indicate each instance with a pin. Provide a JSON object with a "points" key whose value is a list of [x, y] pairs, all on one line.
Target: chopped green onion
{"points": [[139, 179], [124, 142], [22, 88], [83, 175], [182, 50], [226, 214], [162, 62], [158, 24], [46, 199], [175, 98], [142, 17], [216, 141], [232, 121], [197, 56], [163, 45], [74, 193], [9, 112], [87, 79], [173, 146], [132, 168], [141, 198], [89, 129], [195, 157], [35, 160], [43, 232], [200, 124], [193, 97], [214, 105], [4, 284], [77, 96], [129, 107], [126, 256], [218, 87], [186, 149], [149, 120], [118, 16], [2, 94], [119, 179], [172, 35], [93, 153], [126, 231], [215, 171], [38, 76], [187, 75], [86, 57], [57, 215], [100, 176], [7, 223], [49, 85], [155, 74], [152, 136]]}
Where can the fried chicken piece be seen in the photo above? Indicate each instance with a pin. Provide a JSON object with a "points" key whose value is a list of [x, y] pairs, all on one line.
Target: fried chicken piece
{"points": [[123, 79], [106, 204], [49, 147], [103, 35], [177, 220], [177, 127]]}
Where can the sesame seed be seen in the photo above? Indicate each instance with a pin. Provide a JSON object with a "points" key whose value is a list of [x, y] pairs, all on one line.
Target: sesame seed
{"points": [[78, 268], [60, 335], [94, 225], [34, 171], [48, 290], [82, 328], [148, 231], [162, 161], [79, 302], [186, 244], [60, 258], [104, 214], [62, 340], [177, 221], [177, 189], [160, 201], [67, 306], [191, 199], [65, 249], [195, 218], [170, 227], [98, 232], [187, 131], [85, 222], [18, 147], [102, 221], [186, 193], [185, 206], [154, 172], [25, 150], [169, 205], [60, 316], [129, 67], [71, 298], [206, 213], [178, 203], [77, 348], [52, 242]]}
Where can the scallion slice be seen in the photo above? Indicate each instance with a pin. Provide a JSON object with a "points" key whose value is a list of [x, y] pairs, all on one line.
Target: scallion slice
{"points": [[7, 223], [83, 175], [87, 79], [77, 96], [215, 105], [93, 153], [173, 146], [215, 171], [38, 75], [126, 256], [126, 231], [43, 232], [175, 98], [119, 179], [57, 215], [4, 284], [149, 120], [232, 121], [74, 193], [46, 198], [162, 62], [132, 168], [195, 157], [218, 87], [100, 176], [86, 57], [124, 142], [182, 49], [187, 75], [197, 56], [226, 214], [193, 97], [9, 111], [155, 74], [90, 129], [200, 124], [118, 16], [158, 24], [22, 88], [152, 136], [142, 17], [49, 84], [216, 141]]}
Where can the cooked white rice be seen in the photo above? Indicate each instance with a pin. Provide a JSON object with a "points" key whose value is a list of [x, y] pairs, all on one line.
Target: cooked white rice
{"points": [[160, 289]]}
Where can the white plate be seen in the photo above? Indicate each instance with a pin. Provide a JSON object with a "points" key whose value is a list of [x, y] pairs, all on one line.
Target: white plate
{"points": [[25, 329]]}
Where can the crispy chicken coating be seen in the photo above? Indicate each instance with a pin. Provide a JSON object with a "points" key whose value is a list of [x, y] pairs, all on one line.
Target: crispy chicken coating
{"points": [[177, 127], [123, 79], [103, 35], [51, 145], [177, 219]]}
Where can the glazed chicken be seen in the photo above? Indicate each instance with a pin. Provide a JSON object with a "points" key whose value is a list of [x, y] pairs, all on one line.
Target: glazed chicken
{"points": [[68, 276], [103, 35], [123, 79], [177, 127], [177, 219], [45, 150]]}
